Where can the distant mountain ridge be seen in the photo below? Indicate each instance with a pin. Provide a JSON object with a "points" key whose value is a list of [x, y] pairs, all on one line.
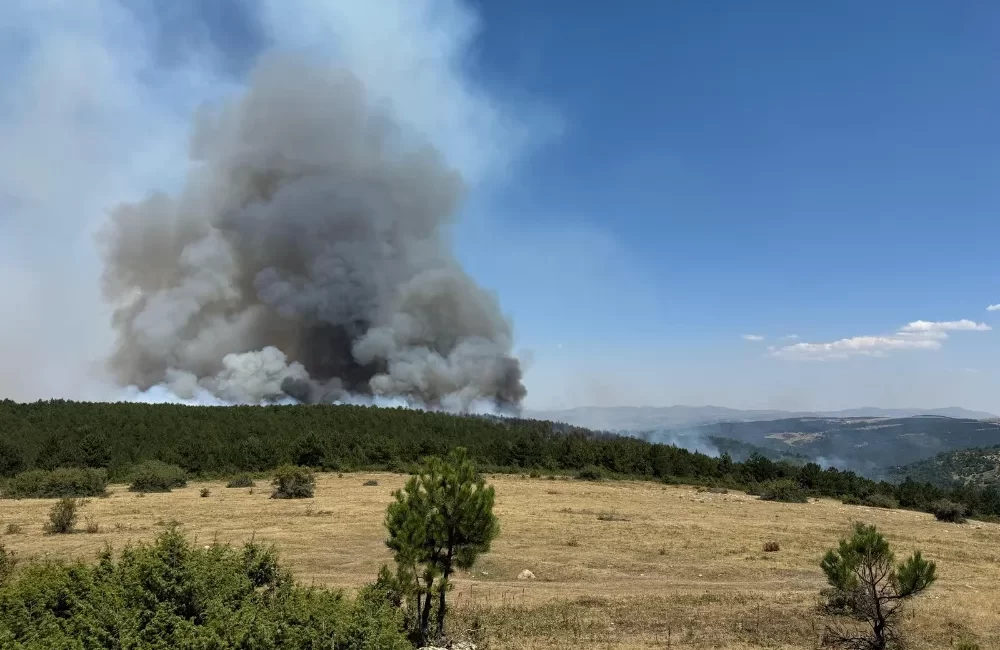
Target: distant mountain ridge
{"points": [[640, 418]]}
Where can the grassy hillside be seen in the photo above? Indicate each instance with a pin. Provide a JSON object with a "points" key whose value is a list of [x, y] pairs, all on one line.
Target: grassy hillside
{"points": [[618, 564], [980, 466]]}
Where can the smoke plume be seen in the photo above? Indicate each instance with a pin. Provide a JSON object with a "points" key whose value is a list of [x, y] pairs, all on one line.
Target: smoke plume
{"points": [[306, 256]]}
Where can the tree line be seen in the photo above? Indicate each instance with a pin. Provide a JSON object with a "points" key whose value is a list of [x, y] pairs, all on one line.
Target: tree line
{"points": [[222, 441]]}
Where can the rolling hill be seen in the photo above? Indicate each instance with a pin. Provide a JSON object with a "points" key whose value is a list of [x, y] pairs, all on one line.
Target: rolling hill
{"points": [[868, 445], [978, 466]]}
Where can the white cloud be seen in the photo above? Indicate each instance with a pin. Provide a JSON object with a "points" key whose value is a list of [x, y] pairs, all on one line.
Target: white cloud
{"points": [[752, 337], [918, 335], [790, 337], [995, 307], [937, 328]]}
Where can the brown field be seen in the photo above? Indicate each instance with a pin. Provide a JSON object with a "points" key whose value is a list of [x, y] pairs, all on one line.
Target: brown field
{"points": [[618, 565]]}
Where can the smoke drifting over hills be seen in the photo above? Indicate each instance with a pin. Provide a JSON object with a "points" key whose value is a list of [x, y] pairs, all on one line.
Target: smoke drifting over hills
{"points": [[305, 257]]}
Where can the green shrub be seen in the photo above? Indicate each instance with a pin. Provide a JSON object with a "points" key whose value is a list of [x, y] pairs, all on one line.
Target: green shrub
{"points": [[879, 500], [950, 511], [293, 482], [873, 500], [240, 481], [62, 516], [784, 490], [8, 560], [772, 547], [156, 476], [591, 473], [205, 492], [370, 482], [174, 594], [57, 483]]}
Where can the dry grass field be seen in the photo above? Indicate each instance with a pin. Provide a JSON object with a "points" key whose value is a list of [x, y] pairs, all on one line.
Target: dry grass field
{"points": [[624, 565]]}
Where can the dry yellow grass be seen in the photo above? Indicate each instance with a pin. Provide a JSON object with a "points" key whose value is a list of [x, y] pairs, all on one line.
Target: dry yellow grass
{"points": [[624, 565]]}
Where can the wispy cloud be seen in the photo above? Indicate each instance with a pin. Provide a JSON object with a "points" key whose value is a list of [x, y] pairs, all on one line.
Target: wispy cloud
{"points": [[995, 307], [940, 329], [918, 335], [790, 337], [752, 337]]}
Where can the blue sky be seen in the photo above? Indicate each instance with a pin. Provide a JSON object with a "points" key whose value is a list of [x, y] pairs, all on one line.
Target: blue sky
{"points": [[767, 168], [649, 186]]}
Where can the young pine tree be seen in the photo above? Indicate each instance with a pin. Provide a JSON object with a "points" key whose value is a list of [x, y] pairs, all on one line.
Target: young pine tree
{"points": [[441, 520], [868, 587]]}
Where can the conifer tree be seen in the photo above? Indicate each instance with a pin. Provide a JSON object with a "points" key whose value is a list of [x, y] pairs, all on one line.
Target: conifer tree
{"points": [[441, 520], [869, 587]]}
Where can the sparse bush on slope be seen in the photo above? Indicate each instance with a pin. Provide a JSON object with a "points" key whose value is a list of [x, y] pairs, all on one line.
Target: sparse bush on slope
{"points": [[949, 511], [62, 517], [240, 481], [874, 500], [57, 483], [292, 482], [785, 491], [591, 473], [156, 476]]}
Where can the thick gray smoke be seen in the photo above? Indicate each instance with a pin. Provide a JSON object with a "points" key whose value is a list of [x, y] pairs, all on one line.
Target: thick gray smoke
{"points": [[305, 256]]}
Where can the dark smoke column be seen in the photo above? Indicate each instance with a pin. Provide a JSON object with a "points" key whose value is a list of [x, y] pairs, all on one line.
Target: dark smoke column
{"points": [[306, 255]]}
